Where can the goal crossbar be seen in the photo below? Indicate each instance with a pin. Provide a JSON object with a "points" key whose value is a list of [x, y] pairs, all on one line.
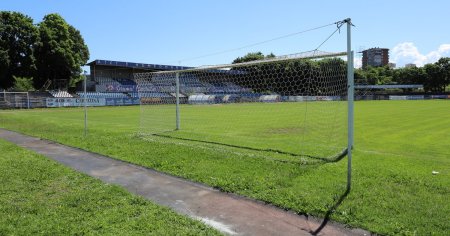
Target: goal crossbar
{"points": [[302, 102], [311, 55]]}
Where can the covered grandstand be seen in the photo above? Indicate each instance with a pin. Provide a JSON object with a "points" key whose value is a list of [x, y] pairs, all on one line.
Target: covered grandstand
{"points": [[114, 80]]}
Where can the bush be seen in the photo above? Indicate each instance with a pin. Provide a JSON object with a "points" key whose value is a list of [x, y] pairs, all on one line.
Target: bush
{"points": [[23, 84]]}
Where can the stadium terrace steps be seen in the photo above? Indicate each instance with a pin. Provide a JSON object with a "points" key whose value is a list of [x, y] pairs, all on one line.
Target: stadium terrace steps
{"points": [[189, 84], [102, 95], [228, 213], [60, 94]]}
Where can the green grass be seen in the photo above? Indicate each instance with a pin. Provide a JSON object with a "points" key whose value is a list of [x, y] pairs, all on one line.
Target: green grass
{"points": [[41, 197], [315, 129], [398, 145]]}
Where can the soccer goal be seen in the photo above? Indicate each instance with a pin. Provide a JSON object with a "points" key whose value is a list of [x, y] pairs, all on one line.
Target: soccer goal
{"points": [[14, 100], [299, 104]]}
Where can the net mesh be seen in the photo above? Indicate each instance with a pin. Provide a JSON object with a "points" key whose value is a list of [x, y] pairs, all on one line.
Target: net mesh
{"points": [[294, 104], [14, 100]]}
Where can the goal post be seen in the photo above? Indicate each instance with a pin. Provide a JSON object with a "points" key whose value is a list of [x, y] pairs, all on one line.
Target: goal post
{"points": [[350, 98], [15, 100], [296, 102], [299, 104]]}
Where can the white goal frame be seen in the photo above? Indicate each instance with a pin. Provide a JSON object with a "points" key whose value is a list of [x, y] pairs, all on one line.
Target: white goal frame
{"points": [[5, 93], [315, 54]]}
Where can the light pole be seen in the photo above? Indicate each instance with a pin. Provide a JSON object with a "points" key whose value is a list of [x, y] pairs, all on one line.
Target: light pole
{"points": [[85, 105]]}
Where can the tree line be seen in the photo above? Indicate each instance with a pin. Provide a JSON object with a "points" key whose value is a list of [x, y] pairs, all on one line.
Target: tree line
{"points": [[32, 54], [435, 77], [325, 77], [308, 77]]}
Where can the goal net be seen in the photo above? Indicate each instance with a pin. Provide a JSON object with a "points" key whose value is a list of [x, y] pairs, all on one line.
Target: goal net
{"points": [[294, 104], [10, 100]]}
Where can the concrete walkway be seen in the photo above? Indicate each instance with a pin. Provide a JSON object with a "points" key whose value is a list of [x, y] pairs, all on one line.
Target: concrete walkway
{"points": [[228, 213]]}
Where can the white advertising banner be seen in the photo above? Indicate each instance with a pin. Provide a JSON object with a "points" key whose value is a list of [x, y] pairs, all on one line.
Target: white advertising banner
{"points": [[75, 102]]}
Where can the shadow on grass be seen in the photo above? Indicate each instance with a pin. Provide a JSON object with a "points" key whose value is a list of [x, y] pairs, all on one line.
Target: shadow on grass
{"points": [[330, 211], [335, 158]]}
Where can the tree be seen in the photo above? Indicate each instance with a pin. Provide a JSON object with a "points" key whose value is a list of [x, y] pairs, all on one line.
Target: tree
{"points": [[293, 77], [23, 84], [436, 80], [360, 77], [61, 51], [18, 37], [252, 56], [444, 68], [370, 75], [271, 55], [409, 75]]}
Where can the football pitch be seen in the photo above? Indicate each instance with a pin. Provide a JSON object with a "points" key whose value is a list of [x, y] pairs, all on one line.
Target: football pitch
{"points": [[313, 129], [398, 144]]}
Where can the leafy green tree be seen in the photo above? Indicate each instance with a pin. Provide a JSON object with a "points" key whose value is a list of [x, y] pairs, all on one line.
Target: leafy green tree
{"points": [[378, 75], [18, 37], [253, 56], [23, 84], [444, 67], [436, 80], [61, 51], [271, 55], [409, 75], [360, 77], [293, 77]]}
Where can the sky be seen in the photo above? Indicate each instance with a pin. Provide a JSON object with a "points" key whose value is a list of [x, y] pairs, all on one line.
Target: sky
{"points": [[200, 32]]}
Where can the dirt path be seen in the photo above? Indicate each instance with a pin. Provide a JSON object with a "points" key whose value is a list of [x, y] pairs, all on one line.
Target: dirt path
{"points": [[228, 213]]}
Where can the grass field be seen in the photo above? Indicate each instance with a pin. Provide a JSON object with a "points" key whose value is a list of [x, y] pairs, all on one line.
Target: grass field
{"points": [[41, 197], [313, 129], [397, 146]]}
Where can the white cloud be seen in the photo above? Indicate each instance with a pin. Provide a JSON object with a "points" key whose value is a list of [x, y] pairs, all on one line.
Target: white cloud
{"points": [[407, 52], [444, 48], [357, 62]]}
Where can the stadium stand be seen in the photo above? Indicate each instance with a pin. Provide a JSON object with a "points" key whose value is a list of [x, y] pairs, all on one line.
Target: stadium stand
{"points": [[60, 94], [117, 77], [106, 84], [190, 84], [102, 95], [151, 94]]}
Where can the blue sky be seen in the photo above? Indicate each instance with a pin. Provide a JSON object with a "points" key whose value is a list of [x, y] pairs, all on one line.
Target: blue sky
{"points": [[175, 32]]}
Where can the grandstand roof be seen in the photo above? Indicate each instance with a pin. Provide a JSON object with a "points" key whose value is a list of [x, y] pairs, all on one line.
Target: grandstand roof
{"points": [[152, 67], [143, 66]]}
